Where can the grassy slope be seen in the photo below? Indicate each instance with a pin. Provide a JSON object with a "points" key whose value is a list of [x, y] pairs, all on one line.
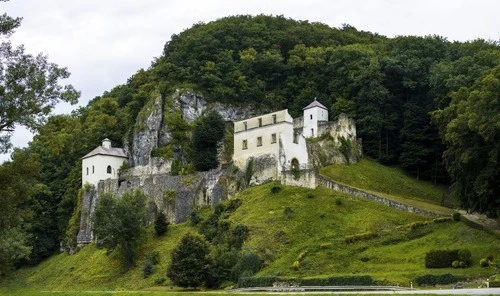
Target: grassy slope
{"points": [[318, 221], [397, 255], [388, 182]]}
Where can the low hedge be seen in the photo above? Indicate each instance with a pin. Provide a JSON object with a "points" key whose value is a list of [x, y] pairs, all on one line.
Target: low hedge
{"points": [[268, 281], [440, 258], [441, 279]]}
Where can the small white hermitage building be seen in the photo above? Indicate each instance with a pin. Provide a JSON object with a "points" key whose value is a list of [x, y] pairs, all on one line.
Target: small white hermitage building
{"points": [[278, 136], [102, 163]]}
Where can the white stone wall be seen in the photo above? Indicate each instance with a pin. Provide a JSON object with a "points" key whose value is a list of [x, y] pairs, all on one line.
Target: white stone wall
{"points": [[94, 168], [311, 118]]}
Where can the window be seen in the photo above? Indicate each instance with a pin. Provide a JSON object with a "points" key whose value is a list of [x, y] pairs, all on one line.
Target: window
{"points": [[108, 170], [273, 138], [245, 144], [312, 132], [87, 171], [274, 118], [295, 138], [245, 125], [260, 122], [259, 141], [311, 116], [93, 170]]}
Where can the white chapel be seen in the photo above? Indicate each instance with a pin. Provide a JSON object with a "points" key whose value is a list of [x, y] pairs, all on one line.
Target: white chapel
{"points": [[102, 163]]}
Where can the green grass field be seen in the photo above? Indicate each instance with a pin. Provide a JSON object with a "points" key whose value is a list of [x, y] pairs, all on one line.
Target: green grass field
{"points": [[388, 182], [335, 233]]}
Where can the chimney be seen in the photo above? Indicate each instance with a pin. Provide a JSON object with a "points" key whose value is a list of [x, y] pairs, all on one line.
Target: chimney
{"points": [[106, 143]]}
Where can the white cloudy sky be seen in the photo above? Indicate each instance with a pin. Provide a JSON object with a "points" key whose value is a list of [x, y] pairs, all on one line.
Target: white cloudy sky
{"points": [[104, 42]]}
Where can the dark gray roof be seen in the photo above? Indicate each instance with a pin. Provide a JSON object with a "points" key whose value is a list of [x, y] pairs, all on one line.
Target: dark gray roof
{"points": [[119, 152], [315, 104]]}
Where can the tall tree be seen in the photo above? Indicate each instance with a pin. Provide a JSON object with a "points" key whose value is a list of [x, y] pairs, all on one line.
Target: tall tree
{"points": [[29, 86], [470, 128], [119, 223], [190, 262], [18, 183]]}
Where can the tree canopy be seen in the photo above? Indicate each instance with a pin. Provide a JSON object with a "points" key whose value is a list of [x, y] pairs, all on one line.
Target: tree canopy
{"points": [[29, 86]]}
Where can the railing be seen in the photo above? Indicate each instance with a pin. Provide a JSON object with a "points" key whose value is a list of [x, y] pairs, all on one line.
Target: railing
{"points": [[320, 288]]}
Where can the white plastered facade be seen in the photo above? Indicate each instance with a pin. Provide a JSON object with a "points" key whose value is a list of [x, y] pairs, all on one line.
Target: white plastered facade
{"points": [[273, 134], [102, 163]]}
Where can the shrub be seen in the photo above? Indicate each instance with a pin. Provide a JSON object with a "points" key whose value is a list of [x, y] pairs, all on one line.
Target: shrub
{"points": [[194, 217], [310, 195], [161, 224], [239, 235], [249, 264], [359, 237], [160, 281], [148, 269], [464, 255], [326, 245], [484, 262], [288, 212], [268, 281], [338, 201], [455, 264], [442, 279], [154, 257], [275, 189], [440, 258], [456, 216], [301, 256]]}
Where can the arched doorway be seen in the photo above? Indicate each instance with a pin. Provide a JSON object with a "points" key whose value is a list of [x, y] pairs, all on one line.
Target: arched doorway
{"points": [[295, 164]]}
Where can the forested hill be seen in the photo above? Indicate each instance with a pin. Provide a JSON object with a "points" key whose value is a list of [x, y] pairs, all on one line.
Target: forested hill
{"points": [[413, 99]]}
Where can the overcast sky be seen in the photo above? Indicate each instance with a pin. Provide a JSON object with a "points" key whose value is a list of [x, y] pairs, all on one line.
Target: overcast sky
{"points": [[104, 42]]}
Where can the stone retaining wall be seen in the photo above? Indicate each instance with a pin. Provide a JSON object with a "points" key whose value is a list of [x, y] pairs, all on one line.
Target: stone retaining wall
{"points": [[322, 181]]}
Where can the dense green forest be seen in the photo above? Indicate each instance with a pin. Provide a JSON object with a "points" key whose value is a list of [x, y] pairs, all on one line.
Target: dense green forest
{"points": [[425, 104]]}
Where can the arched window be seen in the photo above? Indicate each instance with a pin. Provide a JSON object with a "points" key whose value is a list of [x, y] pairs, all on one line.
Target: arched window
{"points": [[93, 169], [295, 164], [87, 171], [108, 170]]}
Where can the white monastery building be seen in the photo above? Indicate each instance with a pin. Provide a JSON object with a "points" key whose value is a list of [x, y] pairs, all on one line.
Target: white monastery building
{"points": [[102, 163], [279, 136]]}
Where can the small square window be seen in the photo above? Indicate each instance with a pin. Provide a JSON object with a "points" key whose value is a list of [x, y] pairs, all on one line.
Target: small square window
{"points": [[274, 118], [260, 122], [259, 141], [245, 144], [273, 138]]}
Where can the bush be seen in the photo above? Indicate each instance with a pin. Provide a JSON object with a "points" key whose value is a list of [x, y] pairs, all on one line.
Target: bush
{"points": [[239, 235], [456, 216], [194, 217], [190, 262], [268, 281], [160, 281], [249, 264], [288, 212], [148, 269], [338, 201], [442, 279], [455, 264], [440, 258], [484, 262], [310, 195], [161, 224], [275, 189], [325, 245], [154, 257], [464, 255], [359, 237]]}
